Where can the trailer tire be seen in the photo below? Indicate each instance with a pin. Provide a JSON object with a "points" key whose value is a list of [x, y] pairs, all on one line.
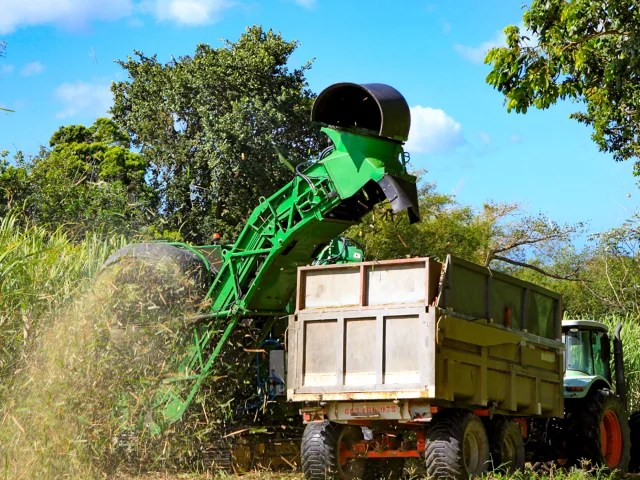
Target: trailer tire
{"points": [[634, 427], [320, 452], [456, 445], [506, 444], [598, 432]]}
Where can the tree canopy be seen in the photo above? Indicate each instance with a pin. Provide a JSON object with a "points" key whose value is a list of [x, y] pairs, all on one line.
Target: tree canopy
{"points": [[211, 124], [88, 179], [586, 51]]}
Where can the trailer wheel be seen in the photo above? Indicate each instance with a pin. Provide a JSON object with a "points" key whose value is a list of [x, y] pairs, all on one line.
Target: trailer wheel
{"points": [[634, 426], [598, 431], [506, 444], [320, 454], [456, 445]]}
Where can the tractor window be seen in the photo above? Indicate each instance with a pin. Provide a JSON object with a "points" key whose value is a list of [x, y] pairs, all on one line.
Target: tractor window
{"points": [[578, 345], [598, 362]]}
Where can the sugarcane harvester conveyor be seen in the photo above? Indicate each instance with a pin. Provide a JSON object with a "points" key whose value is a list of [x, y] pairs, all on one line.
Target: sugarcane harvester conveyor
{"points": [[255, 278]]}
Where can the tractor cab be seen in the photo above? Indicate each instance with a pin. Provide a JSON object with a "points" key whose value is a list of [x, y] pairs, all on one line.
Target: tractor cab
{"points": [[588, 357]]}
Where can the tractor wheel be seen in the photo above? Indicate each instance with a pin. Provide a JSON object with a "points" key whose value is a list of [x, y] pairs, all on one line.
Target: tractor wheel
{"points": [[506, 444], [322, 445], [634, 426], [457, 445], [598, 432]]}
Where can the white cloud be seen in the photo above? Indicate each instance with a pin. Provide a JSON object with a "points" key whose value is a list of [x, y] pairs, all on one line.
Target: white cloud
{"points": [[485, 138], [6, 69], [90, 99], [33, 68], [476, 54], [433, 131], [190, 12], [66, 13]]}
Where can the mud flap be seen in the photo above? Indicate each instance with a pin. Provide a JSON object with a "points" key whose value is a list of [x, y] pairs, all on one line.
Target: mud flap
{"points": [[402, 195]]}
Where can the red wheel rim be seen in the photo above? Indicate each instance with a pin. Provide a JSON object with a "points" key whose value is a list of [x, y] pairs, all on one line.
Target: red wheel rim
{"points": [[611, 438], [342, 448]]}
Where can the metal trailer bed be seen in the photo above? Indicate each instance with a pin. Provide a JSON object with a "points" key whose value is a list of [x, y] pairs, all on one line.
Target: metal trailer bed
{"points": [[396, 340]]}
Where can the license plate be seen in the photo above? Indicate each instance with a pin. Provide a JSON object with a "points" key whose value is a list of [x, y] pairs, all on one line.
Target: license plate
{"points": [[369, 410]]}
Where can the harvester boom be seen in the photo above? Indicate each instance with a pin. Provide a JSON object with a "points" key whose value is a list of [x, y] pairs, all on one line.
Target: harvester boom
{"points": [[257, 278]]}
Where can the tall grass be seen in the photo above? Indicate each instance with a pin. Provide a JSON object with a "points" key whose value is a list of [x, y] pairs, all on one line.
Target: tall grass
{"points": [[39, 272], [631, 348]]}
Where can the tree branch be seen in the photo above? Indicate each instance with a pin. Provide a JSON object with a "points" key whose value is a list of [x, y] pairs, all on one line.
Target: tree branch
{"points": [[537, 269], [591, 37]]}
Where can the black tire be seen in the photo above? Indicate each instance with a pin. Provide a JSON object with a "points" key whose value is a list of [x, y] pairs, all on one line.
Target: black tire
{"points": [[634, 427], [320, 452], [506, 444], [585, 421], [456, 446]]}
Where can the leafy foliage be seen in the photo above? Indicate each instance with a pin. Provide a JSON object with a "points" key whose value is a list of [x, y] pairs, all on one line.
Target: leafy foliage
{"points": [[585, 51], [89, 180], [498, 235], [210, 124]]}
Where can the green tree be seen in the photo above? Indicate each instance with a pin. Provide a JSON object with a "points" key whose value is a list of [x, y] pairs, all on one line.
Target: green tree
{"points": [[210, 124], [580, 50], [89, 179], [498, 235], [14, 183], [445, 228]]}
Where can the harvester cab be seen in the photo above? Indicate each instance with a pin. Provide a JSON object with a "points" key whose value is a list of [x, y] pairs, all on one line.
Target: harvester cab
{"points": [[588, 359]]}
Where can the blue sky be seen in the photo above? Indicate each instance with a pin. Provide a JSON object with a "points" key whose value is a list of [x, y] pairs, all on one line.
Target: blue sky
{"points": [[60, 61]]}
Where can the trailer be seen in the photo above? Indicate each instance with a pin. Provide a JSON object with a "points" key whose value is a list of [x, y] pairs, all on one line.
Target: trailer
{"points": [[457, 364]]}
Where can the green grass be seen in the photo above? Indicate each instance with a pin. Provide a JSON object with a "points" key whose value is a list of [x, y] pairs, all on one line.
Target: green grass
{"points": [[39, 272]]}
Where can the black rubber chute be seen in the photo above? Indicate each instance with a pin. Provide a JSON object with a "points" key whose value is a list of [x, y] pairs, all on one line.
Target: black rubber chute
{"points": [[375, 107], [402, 195]]}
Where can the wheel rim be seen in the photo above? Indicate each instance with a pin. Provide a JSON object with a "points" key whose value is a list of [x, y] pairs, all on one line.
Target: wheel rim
{"points": [[508, 452], [471, 455], [611, 438], [348, 467]]}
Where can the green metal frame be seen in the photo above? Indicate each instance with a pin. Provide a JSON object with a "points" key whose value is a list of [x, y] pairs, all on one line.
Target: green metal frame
{"points": [[287, 230]]}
